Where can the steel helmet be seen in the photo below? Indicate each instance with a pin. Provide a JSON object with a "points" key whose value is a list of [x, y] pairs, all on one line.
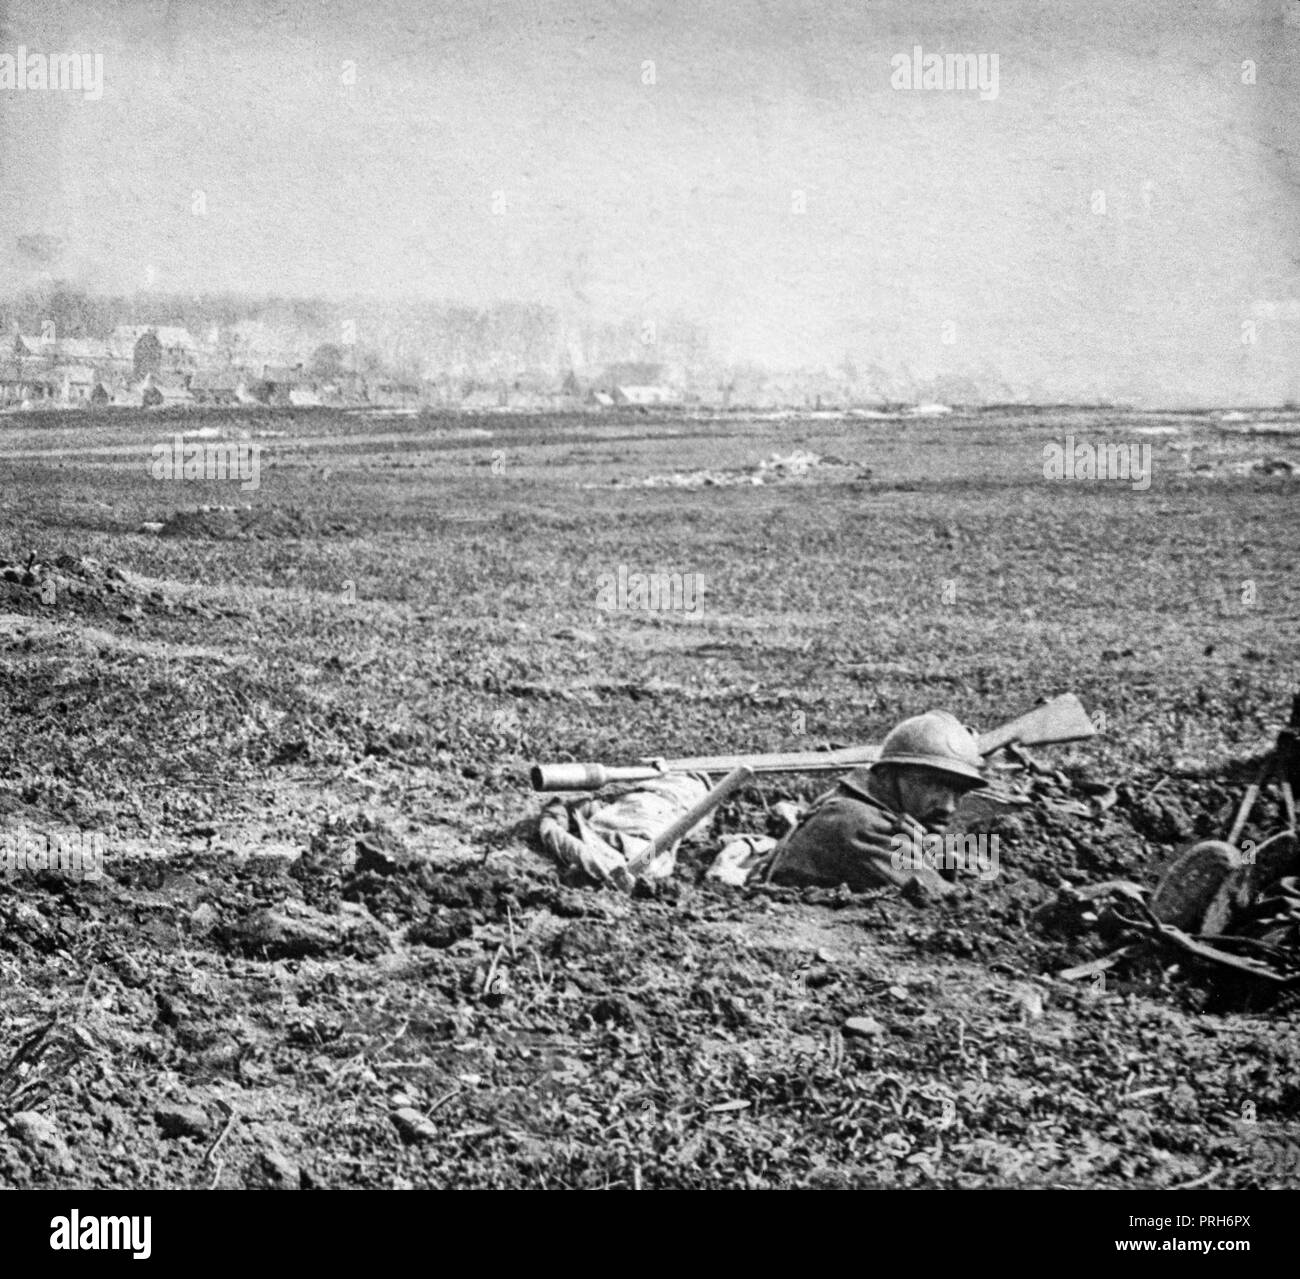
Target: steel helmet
{"points": [[935, 740]]}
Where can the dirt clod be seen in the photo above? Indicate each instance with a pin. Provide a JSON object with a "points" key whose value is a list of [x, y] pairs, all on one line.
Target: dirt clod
{"points": [[182, 1121]]}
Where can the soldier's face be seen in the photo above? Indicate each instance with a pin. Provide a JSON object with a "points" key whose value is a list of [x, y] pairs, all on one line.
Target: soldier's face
{"points": [[929, 796]]}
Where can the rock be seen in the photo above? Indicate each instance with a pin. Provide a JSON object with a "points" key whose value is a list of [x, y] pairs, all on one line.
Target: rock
{"points": [[382, 853], [171, 1012], [574, 633], [277, 1171], [272, 860], [1184, 1103], [291, 932], [918, 891], [614, 1010], [203, 919], [412, 1125], [864, 1026], [294, 930], [41, 1136], [182, 1121], [36, 1131], [580, 940], [442, 928], [1030, 1003], [363, 934]]}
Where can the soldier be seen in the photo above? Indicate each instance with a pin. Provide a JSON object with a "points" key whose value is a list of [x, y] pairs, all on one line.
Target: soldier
{"points": [[851, 834]]}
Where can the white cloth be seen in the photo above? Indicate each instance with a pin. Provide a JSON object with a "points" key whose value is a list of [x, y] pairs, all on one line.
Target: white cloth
{"points": [[600, 837]]}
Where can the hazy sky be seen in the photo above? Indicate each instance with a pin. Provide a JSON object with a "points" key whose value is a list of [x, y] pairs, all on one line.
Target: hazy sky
{"points": [[515, 150]]}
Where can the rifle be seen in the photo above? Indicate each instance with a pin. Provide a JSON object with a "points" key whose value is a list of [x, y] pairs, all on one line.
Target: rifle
{"points": [[690, 819], [1060, 719]]}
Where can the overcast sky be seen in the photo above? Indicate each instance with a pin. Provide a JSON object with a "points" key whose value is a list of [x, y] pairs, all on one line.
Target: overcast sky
{"points": [[494, 150]]}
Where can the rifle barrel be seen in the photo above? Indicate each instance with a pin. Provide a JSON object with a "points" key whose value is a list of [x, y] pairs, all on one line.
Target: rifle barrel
{"points": [[554, 777]]}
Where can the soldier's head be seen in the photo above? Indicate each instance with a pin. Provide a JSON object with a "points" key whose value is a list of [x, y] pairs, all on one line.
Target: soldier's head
{"points": [[928, 763]]}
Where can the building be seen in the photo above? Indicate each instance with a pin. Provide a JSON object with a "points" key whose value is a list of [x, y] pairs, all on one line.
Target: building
{"points": [[21, 382], [277, 384], [342, 388], [215, 387], [123, 339], [394, 395], [160, 393], [29, 382], [30, 346], [636, 385], [645, 396], [76, 382], [175, 337], [167, 349], [92, 351]]}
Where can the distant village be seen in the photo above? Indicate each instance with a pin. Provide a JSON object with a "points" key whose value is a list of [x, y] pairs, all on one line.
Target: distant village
{"points": [[165, 365]]}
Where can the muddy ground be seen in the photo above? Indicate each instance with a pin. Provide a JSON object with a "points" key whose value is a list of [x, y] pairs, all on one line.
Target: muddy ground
{"points": [[326, 949]]}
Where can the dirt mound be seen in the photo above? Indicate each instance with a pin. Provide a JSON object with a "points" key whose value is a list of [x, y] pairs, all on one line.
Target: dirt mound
{"points": [[83, 585], [778, 468], [248, 523], [1247, 466]]}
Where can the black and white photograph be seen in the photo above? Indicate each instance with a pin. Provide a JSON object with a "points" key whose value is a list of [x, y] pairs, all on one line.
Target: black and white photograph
{"points": [[642, 595]]}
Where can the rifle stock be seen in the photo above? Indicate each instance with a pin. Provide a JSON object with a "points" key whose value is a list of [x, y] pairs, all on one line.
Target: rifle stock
{"points": [[1061, 719]]}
